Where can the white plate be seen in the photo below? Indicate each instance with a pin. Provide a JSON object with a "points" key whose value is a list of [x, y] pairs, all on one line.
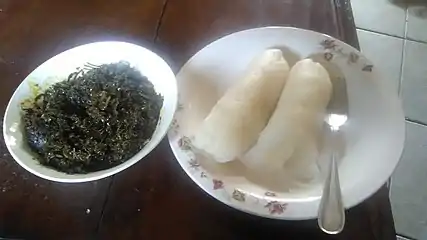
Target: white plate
{"points": [[374, 136], [57, 69]]}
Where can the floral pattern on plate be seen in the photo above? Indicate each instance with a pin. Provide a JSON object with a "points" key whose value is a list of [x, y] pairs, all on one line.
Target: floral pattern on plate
{"points": [[275, 207], [184, 143], [239, 195], [217, 184], [270, 194], [332, 48]]}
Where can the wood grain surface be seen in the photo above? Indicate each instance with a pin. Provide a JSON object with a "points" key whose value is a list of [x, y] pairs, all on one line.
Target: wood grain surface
{"points": [[30, 33], [154, 199]]}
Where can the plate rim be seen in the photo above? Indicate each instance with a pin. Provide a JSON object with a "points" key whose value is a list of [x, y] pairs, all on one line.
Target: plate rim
{"points": [[401, 130]]}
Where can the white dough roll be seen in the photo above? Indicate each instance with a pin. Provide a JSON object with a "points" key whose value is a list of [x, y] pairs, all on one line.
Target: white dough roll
{"points": [[235, 122], [297, 119]]}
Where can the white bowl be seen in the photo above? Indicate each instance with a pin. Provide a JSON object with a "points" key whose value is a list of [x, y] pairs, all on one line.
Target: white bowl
{"points": [[57, 69], [374, 134]]}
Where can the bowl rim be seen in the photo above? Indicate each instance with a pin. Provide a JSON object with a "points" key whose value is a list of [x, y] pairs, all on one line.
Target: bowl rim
{"points": [[105, 172]]}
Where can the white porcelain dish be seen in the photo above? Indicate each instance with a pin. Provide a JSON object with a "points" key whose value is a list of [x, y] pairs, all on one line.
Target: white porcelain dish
{"points": [[58, 68], [374, 135]]}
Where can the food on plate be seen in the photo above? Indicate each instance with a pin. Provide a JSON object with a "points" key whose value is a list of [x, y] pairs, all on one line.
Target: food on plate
{"points": [[96, 119], [235, 122], [296, 121]]}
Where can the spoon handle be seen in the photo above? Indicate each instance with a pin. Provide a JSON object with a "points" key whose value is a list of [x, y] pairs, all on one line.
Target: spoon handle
{"points": [[331, 218]]}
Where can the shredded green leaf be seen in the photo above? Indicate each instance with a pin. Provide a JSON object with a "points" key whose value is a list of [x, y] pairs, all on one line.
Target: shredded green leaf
{"points": [[98, 118]]}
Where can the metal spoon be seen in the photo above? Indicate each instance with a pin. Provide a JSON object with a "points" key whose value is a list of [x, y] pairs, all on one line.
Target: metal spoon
{"points": [[331, 216]]}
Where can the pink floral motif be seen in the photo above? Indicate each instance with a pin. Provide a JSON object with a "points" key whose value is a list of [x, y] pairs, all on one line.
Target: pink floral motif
{"points": [[333, 49], [194, 164], [275, 207], [174, 125], [238, 195], [328, 56], [217, 184], [328, 44], [184, 143], [270, 194]]}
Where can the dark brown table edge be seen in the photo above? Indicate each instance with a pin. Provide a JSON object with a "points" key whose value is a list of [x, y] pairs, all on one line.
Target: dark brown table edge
{"points": [[345, 21]]}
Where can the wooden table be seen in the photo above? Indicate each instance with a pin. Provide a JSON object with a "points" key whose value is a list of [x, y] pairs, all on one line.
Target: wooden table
{"points": [[154, 199]]}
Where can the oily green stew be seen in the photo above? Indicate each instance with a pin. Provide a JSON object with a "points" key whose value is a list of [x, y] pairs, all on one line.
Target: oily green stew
{"points": [[96, 119]]}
